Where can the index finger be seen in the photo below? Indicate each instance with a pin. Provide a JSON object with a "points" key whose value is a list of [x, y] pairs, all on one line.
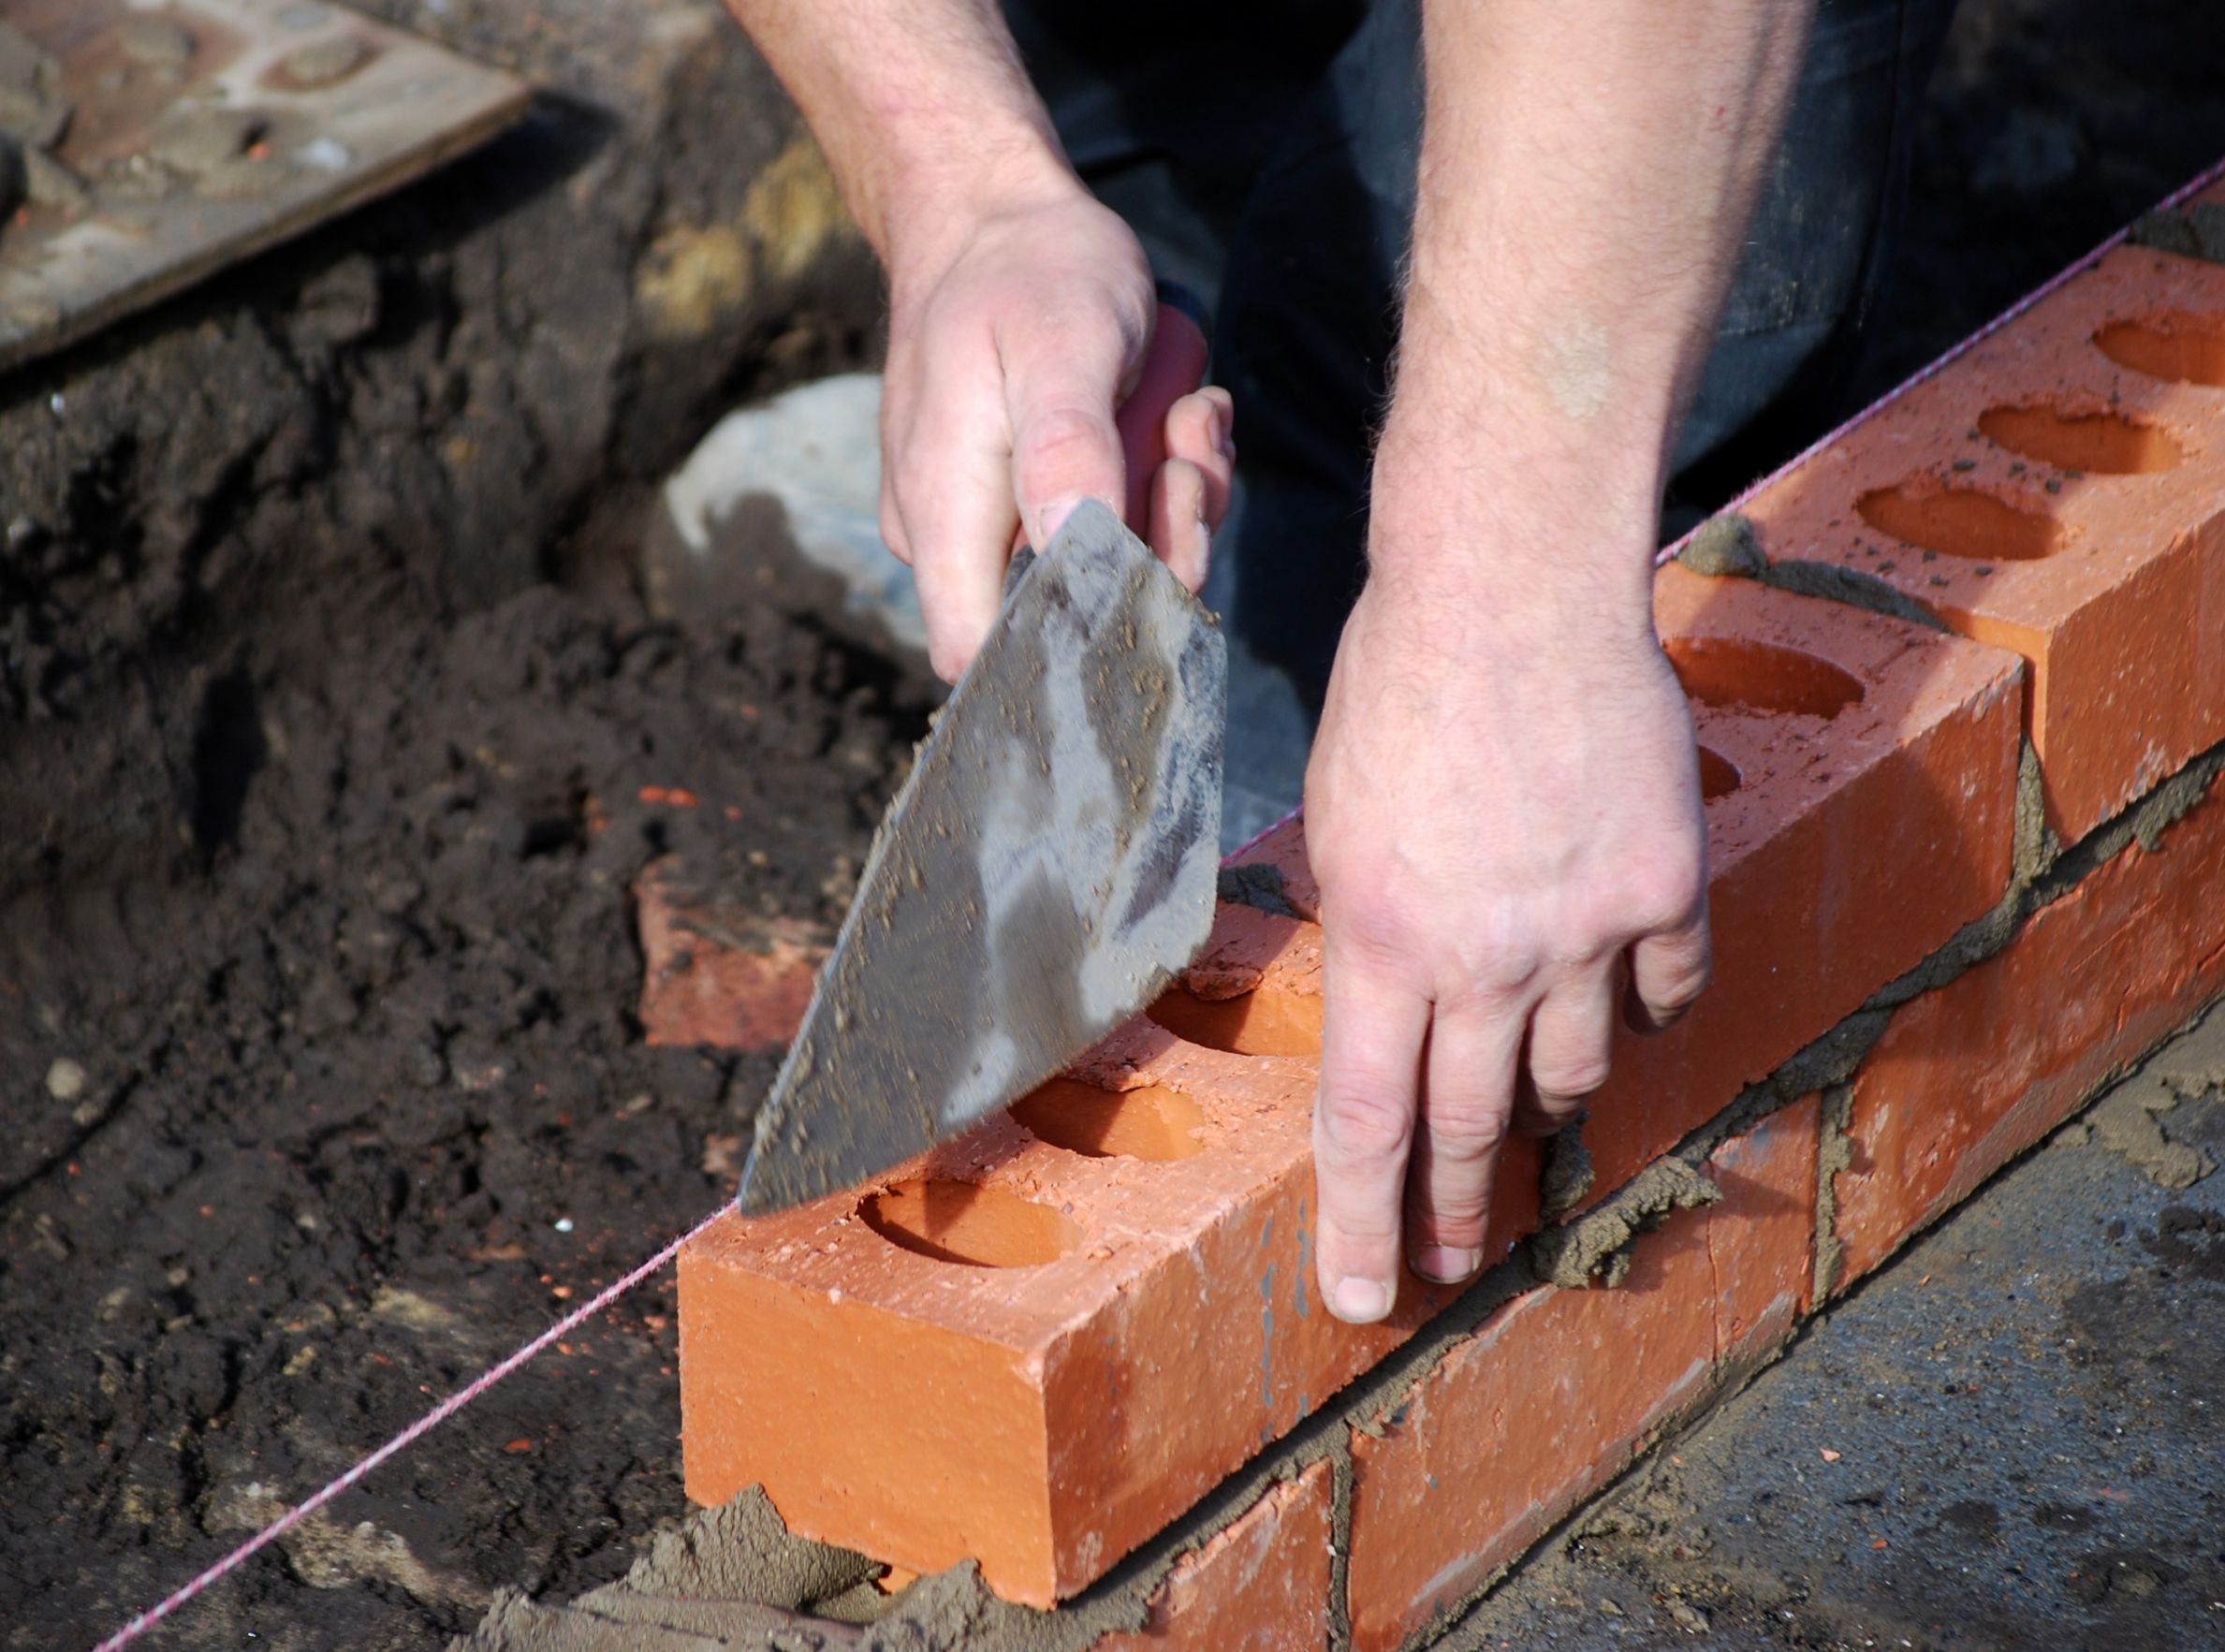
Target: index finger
{"points": [[1373, 1032]]}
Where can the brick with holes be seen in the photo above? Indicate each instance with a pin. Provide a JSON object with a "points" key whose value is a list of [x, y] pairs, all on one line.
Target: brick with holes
{"points": [[1859, 776], [1038, 1344], [2059, 491]]}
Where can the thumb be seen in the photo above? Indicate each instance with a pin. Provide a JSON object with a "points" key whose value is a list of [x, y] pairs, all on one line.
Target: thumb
{"points": [[1065, 445]]}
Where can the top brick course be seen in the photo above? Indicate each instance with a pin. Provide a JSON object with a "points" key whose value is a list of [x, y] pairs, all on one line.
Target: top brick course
{"points": [[2060, 492]]}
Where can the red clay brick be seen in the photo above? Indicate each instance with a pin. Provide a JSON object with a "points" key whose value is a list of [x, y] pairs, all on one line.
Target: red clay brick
{"points": [[715, 974], [1548, 1402], [1863, 780], [2059, 492], [1969, 1076], [1140, 1319], [1261, 1583]]}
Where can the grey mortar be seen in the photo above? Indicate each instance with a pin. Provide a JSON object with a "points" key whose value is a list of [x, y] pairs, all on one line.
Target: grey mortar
{"points": [[1835, 1153], [2194, 1064], [1725, 547], [2195, 230], [1340, 1477], [2129, 1121], [2036, 845], [776, 1590], [1850, 587], [1257, 886], [1568, 1175], [1596, 1249], [1728, 547]]}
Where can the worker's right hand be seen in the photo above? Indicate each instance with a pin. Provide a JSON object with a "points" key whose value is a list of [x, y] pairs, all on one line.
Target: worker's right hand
{"points": [[1025, 343]]}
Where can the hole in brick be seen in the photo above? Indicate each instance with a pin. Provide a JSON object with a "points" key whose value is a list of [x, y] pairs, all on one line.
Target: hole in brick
{"points": [[2106, 443], [1738, 675], [1256, 1023], [2173, 345], [965, 1222], [1961, 522], [1151, 1122], [1719, 776]]}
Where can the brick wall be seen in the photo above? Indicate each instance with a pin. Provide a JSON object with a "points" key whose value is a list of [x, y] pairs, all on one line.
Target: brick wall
{"points": [[1959, 682]]}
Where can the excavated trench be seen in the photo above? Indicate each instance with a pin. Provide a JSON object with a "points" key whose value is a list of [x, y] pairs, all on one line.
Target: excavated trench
{"points": [[329, 700]]}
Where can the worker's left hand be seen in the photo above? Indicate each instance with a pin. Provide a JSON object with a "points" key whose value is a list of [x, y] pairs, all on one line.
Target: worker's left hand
{"points": [[1504, 814]]}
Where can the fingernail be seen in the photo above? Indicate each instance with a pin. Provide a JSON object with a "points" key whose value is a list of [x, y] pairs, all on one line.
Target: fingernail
{"points": [[1222, 432], [1360, 1302], [1446, 1264], [1050, 518]]}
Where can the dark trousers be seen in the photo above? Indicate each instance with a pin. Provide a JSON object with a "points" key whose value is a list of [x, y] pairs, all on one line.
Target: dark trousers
{"points": [[1265, 152]]}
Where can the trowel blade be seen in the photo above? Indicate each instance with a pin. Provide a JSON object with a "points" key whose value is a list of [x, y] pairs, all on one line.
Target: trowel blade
{"points": [[1044, 872]]}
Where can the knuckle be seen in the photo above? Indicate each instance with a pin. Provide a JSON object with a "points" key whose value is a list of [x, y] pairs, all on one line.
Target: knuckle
{"points": [[1687, 977], [1062, 434], [1364, 1232], [1465, 1140], [1562, 1084], [1372, 934], [1663, 894], [1502, 975], [1372, 923], [1681, 991], [1360, 1127], [1450, 1203]]}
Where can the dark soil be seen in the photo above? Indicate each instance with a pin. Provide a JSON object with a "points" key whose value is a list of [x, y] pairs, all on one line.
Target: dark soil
{"points": [[364, 1102], [326, 703]]}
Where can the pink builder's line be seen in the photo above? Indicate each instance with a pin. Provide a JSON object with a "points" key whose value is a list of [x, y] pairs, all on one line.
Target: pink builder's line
{"points": [[447, 1407], [402, 1441]]}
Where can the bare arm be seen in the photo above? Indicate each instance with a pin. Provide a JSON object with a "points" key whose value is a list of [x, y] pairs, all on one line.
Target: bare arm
{"points": [[1021, 311], [923, 110], [1503, 805]]}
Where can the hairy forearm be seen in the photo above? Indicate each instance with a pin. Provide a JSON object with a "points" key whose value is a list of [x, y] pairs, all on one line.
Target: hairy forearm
{"points": [[1587, 175], [922, 107]]}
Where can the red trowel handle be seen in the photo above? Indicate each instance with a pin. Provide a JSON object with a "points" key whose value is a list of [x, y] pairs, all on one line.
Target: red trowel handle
{"points": [[1174, 366]]}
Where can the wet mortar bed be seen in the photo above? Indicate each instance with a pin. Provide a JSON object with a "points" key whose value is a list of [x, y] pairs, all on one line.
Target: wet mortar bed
{"points": [[327, 707]]}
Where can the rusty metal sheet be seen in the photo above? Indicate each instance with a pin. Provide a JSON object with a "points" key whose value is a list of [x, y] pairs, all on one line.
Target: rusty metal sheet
{"points": [[144, 146]]}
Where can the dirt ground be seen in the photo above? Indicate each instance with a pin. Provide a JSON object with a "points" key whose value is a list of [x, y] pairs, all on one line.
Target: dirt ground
{"points": [[326, 699]]}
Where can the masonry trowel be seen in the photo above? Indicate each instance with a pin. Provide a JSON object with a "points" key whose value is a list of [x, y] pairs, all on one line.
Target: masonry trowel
{"points": [[1046, 869]]}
